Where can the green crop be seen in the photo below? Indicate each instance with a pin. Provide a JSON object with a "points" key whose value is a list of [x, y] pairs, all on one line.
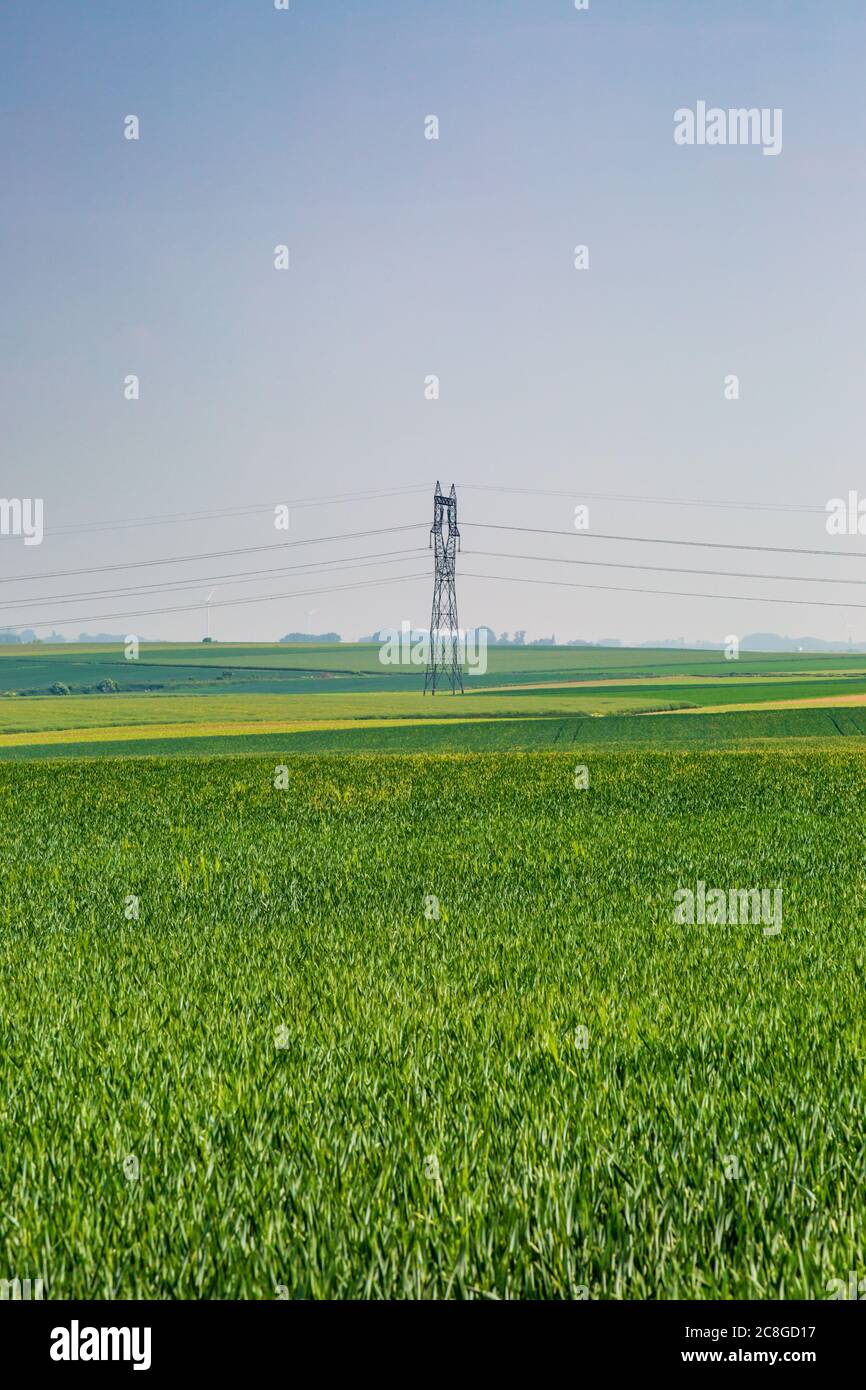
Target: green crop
{"points": [[424, 1027]]}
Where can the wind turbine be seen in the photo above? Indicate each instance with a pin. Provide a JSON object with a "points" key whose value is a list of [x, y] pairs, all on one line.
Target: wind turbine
{"points": [[207, 601]]}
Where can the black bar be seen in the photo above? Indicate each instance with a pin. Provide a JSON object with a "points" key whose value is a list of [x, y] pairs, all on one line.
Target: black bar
{"points": [[281, 1337]]}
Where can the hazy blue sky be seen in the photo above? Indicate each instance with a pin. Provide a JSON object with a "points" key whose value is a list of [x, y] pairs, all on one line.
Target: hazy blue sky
{"points": [[411, 257]]}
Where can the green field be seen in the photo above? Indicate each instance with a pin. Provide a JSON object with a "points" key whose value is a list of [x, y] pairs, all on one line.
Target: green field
{"points": [[735, 730], [288, 1072], [246, 1055], [252, 699]]}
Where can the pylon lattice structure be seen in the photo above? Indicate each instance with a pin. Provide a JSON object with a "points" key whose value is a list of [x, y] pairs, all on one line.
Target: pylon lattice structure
{"points": [[444, 661]]}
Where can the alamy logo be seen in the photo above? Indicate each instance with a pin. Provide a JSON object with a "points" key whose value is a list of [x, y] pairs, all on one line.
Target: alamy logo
{"points": [[18, 1290], [737, 126], [75, 1343], [729, 907], [410, 647], [846, 517], [853, 1288], [22, 516]]}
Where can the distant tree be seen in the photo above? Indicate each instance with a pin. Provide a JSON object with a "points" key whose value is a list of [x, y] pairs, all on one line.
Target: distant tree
{"points": [[58, 688], [108, 686]]}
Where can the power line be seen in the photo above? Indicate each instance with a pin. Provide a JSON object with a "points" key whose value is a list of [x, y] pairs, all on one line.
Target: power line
{"points": [[658, 540], [336, 499], [221, 513], [580, 494], [208, 555], [669, 593], [244, 577], [221, 603], [664, 569]]}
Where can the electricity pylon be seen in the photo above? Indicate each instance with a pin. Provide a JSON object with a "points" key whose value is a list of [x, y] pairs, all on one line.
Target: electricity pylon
{"points": [[443, 664]]}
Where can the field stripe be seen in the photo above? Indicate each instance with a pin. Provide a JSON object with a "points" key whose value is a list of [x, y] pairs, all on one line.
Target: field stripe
{"points": [[118, 733], [806, 702]]}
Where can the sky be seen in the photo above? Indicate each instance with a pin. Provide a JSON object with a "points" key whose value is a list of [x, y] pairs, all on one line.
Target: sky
{"points": [[412, 258]]}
